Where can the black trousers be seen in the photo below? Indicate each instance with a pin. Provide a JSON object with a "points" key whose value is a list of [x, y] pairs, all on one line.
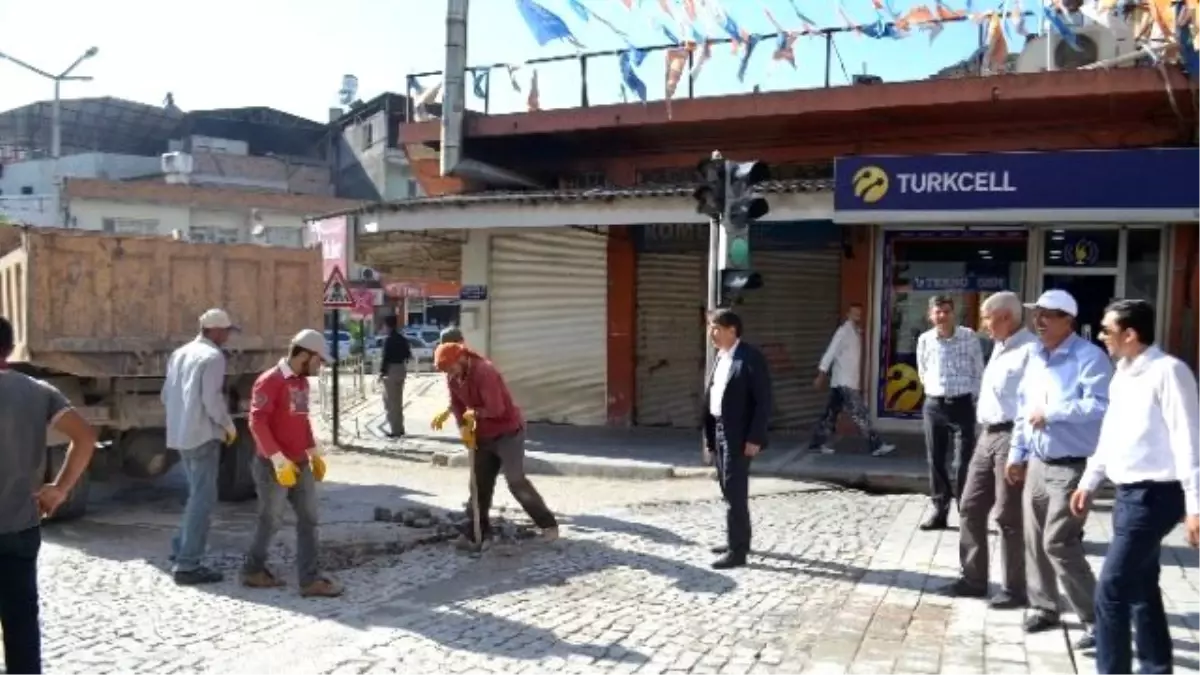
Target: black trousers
{"points": [[19, 601], [733, 473], [945, 418]]}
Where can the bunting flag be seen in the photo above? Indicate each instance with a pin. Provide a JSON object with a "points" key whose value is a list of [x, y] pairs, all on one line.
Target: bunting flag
{"points": [[720, 19], [702, 54], [1060, 26], [427, 97], [512, 77], [676, 61], [629, 60], [751, 42], [997, 45], [1016, 19], [545, 25], [785, 42], [587, 14], [533, 102], [809, 24], [481, 81]]}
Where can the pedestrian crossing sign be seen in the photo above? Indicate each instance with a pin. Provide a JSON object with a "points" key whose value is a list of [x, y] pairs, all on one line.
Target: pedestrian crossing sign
{"points": [[337, 291]]}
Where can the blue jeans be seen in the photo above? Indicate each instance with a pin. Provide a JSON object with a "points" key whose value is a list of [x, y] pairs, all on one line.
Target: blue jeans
{"points": [[1128, 590], [19, 601], [201, 465]]}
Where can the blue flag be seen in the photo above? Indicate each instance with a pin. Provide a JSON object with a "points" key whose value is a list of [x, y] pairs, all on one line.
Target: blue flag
{"points": [[545, 25], [629, 60]]}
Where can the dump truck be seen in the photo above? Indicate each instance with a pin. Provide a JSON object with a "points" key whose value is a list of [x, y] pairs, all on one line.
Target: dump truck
{"points": [[97, 315]]}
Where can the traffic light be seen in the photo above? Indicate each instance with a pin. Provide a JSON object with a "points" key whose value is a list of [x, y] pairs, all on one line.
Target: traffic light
{"points": [[710, 195], [743, 204]]}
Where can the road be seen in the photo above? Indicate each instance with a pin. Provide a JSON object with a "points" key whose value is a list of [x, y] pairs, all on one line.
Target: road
{"points": [[841, 581]]}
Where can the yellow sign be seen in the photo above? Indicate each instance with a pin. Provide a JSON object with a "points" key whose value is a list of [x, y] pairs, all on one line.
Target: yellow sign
{"points": [[870, 184], [903, 391]]}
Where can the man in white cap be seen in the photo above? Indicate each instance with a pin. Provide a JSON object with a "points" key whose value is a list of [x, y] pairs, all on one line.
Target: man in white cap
{"points": [[1061, 403], [288, 466], [198, 422]]}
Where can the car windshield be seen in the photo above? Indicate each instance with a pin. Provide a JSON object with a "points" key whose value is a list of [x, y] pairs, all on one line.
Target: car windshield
{"points": [[431, 336]]}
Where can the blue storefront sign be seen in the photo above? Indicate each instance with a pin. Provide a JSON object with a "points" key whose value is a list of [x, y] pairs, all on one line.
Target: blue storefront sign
{"points": [[1145, 185], [765, 236]]}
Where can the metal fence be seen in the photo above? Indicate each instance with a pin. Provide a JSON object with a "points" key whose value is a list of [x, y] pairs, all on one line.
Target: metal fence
{"points": [[356, 386]]}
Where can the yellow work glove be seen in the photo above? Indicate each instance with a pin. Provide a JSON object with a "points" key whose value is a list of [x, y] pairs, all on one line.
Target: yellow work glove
{"points": [[230, 436], [469, 419], [317, 463], [285, 470], [439, 420]]}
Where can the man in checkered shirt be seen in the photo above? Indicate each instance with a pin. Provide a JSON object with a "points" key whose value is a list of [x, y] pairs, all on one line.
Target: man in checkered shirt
{"points": [[950, 366]]}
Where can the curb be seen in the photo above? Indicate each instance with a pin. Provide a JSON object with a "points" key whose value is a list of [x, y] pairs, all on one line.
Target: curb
{"points": [[544, 464]]}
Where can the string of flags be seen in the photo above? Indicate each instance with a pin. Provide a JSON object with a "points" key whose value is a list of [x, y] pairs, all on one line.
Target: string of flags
{"points": [[692, 27]]}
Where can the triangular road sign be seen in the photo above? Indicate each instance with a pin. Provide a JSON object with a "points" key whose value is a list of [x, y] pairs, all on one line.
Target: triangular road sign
{"points": [[337, 291]]}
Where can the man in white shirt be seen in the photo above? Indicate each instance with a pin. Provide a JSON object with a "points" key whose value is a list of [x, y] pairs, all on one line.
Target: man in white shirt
{"points": [[844, 358], [198, 422], [950, 365], [986, 486], [1148, 448]]}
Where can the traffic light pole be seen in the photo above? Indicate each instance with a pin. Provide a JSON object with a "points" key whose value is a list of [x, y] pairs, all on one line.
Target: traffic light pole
{"points": [[714, 287]]}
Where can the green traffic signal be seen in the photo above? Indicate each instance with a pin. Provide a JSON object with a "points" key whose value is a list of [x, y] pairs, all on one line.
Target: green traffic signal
{"points": [[739, 252]]}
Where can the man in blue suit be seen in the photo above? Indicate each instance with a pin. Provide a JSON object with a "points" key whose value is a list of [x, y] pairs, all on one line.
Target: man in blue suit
{"points": [[737, 407]]}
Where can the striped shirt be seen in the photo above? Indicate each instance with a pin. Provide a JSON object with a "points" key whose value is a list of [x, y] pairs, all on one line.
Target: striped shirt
{"points": [[950, 366]]}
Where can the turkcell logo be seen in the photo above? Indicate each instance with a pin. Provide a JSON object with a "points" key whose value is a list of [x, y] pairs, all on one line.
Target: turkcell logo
{"points": [[940, 182]]}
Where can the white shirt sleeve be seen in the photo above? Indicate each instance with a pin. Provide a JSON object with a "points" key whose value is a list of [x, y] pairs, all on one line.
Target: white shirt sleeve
{"points": [[921, 359], [831, 352], [1181, 411]]}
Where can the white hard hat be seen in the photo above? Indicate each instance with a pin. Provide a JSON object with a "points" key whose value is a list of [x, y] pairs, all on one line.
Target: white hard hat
{"points": [[313, 341], [216, 318]]}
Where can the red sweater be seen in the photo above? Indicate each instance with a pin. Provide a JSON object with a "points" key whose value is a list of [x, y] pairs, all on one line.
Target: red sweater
{"points": [[482, 389], [279, 414]]}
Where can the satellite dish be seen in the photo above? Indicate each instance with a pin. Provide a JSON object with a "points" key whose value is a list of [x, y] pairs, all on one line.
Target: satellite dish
{"points": [[349, 89]]}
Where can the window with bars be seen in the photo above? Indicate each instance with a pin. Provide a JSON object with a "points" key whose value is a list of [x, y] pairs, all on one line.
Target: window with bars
{"points": [[213, 234], [135, 226], [292, 237]]}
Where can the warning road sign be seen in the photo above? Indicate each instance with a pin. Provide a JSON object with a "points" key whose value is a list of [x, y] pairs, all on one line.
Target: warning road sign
{"points": [[337, 291]]}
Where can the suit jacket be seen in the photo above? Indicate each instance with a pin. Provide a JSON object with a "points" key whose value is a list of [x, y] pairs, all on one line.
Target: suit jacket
{"points": [[746, 405]]}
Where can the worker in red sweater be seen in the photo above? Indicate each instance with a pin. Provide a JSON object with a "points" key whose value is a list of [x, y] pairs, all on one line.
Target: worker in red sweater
{"points": [[288, 466], [480, 399]]}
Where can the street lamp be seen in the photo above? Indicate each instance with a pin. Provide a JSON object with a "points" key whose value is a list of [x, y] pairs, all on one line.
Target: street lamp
{"points": [[64, 76]]}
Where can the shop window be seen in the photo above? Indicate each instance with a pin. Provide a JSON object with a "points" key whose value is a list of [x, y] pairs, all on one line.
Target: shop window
{"points": [[968, 267], [1081, 248], [1142, 253]]}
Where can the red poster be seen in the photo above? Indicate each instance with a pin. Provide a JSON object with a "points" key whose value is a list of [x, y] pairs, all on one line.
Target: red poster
{"points": [[332, 235]]}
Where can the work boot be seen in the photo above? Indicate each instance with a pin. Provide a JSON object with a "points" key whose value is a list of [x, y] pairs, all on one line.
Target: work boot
{"points": [[321, 588], [549, 535], [261, 579], [198, 577]]}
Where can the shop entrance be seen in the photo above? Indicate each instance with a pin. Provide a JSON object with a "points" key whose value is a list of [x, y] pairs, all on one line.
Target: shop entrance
{"points": [[1092, 292]]}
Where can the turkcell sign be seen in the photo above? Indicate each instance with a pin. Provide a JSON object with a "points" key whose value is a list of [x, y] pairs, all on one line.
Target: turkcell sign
{"points": [[1147, 185]]}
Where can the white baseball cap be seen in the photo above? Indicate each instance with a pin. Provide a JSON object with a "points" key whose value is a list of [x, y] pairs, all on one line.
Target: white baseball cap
{"points": [[1057, 300], [216, 318], [314, 342]]}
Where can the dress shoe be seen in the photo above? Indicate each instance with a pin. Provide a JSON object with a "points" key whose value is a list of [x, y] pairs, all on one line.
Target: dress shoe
{"points": [[729, 561], [1006, 600], [961, 588], [198, 577], [1088, 639], [1040, 622], [938, 521], [720, 550]]}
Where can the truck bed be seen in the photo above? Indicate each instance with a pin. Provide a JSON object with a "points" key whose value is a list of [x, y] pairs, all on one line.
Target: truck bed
{"points": [[99, 305]]}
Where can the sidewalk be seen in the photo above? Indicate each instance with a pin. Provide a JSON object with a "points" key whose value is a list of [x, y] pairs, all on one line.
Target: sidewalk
{"points": [[641, 453]]}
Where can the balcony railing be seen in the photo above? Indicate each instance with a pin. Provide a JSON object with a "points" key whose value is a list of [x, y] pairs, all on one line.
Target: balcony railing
{"points": [[828, 57]]}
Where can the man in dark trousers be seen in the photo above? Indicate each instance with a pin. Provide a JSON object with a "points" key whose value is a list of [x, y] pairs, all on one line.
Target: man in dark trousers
{"points": [[393, 369], [28, 493], [737, 407]]}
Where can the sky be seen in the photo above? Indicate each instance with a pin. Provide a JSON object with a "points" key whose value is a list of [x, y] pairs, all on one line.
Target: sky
{"points": [[292, 54]]}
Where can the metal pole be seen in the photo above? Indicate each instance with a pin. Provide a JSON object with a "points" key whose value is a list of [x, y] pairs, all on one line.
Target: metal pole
{"points": [[56, 121], [714, 236], [337, 408]]}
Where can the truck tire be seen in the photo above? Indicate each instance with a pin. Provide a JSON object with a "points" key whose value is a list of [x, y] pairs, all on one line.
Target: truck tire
{"points": [[235, 483], [143, 453], [76, 505]]}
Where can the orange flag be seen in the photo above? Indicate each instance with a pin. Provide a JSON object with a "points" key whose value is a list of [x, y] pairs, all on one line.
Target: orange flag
{"points": [[997, 46], [676, 61], [534, 101]]}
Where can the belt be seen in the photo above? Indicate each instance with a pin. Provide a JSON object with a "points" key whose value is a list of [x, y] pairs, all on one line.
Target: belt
{"points": [[998, 427], [1064, 461]]}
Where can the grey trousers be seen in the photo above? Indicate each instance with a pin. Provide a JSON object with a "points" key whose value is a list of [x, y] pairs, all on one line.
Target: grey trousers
{"points": [[271, 499], [393, 397], [985, 489], [1053, 548]]}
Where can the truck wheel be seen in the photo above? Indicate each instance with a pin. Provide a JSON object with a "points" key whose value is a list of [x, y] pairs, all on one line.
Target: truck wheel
{"points": [[235, 483], [144, 454], [76, 505]]}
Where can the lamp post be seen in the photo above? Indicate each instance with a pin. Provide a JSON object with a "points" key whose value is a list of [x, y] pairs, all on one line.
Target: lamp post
{"points": [[64, 76]]}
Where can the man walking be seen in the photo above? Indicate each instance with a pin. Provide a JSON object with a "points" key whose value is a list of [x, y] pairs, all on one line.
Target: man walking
{"points": [[736, 413], [479, 398], [949, 365], [289, 465], [1148, 448], [29, 407], [198, 422], [986, 485], [844, 358], [1061, 401], [393, 369]]}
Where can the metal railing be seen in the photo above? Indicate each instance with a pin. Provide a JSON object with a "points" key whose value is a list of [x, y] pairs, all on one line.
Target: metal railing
{"points": [[356, 386]]}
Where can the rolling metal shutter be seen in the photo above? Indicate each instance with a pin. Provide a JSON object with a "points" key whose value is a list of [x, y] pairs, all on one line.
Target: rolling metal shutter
{"points": [[792, 318], [671, 339], [549, 322]]}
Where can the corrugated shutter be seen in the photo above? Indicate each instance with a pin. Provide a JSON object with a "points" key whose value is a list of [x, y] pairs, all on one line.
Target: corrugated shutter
{"points": [[549, 299], [791, 318], [671, 338]]}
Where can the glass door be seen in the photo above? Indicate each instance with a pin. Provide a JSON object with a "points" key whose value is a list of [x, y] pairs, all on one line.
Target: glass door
{"points": [[1092, 293]]}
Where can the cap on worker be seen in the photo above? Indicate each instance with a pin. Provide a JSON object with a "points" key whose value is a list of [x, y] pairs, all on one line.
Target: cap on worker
{"points": [[1056, 300], [447, 353], [451, 334], [312, 341], [216, 318]]}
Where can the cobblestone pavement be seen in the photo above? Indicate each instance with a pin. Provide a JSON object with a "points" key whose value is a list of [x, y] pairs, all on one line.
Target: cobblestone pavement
{"points": [[841, 582]]}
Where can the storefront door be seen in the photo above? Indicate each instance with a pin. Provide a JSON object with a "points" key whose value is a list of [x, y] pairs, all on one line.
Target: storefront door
{"points": [[1092, 292]]}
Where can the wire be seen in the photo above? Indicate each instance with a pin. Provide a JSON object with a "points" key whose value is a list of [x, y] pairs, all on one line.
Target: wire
{"points": [[838, 54]]}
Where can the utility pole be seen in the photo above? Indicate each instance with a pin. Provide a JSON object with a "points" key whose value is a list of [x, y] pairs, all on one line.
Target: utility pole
{"points": [[710, 201], [56, 106]]}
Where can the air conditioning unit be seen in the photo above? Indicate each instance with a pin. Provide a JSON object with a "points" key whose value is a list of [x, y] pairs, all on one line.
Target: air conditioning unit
{"points": [[177, 167], [360, 273], [1096, 41]]}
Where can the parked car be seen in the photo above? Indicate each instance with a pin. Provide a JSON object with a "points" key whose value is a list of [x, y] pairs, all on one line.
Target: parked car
{"points": [[430, 335], [421, 350], [345, 343]]}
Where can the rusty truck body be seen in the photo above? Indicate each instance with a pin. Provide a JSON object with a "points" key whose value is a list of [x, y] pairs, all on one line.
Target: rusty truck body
{"points": [[98, 315]]}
